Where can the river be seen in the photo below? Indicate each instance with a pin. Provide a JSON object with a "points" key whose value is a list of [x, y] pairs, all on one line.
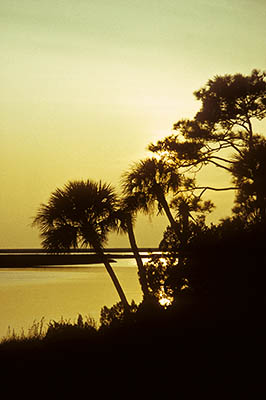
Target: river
{"points": [[30, 294]]}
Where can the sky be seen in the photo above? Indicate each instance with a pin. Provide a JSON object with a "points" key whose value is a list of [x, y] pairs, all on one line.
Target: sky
{"points": [[87, 85]]}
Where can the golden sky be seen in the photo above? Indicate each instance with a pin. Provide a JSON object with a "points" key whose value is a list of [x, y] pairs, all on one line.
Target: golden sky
{"points": [[87, 85]]}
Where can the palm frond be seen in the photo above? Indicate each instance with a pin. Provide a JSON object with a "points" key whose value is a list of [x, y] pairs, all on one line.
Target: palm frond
{"points": [[82, 213], [147, 179]]}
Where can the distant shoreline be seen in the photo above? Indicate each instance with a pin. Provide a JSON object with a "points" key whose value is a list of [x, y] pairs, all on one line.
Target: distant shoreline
{"points": [[41, 260], [25, 260], [79, 250]]}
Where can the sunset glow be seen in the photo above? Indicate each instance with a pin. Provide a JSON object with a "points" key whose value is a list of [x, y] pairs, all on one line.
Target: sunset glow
{"points": [[86, 86]]}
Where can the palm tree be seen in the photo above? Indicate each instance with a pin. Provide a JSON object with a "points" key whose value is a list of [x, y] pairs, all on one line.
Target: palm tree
{"points": [[80, 214], [126, 215], [153, 179], [185, 206]]}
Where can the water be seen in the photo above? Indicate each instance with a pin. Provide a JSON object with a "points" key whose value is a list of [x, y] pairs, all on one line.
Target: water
{"points": [[29, 294]]}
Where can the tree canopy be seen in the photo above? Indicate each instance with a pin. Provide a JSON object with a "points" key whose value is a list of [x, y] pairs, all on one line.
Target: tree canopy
{"points": [[233, 100], [81, 213], [221, 135], [229, 104]]}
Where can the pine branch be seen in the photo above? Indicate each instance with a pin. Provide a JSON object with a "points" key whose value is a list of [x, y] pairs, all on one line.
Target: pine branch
{"points": [[213, 188]]}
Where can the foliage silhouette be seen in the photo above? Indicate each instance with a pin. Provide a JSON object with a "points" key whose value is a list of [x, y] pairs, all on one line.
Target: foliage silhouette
{"points": [[229, 105], [213, 275], [249, 173], [115, 315], [151, 180], [185, 206], [65, 330], [158, 270], [80, 214], [175, 247], [225, 264], [35, 332], [233, 100], [224, 122]]}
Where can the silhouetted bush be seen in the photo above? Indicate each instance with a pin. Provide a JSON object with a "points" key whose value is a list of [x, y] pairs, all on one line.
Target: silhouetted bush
{"points": [[225, 268], [116, 315], [65, 330]]}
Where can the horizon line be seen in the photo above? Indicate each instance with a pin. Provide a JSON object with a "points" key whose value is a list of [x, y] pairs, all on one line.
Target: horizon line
{"points": [[79, 250]]}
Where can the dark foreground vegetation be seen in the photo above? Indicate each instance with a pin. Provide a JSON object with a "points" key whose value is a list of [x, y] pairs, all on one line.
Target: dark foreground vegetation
{"points": [[210, 338], [200, 327], [186, 351], [192, 348]]}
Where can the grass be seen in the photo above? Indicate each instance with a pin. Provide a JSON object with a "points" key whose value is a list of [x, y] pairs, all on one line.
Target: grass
{"points": [[41, 330], [36, 332]]}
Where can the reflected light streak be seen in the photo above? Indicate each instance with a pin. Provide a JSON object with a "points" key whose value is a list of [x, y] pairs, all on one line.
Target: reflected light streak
{"points": [[164, 299]]}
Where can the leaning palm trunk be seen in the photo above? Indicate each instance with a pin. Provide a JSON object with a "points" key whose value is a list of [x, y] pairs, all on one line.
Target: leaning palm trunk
{"points": [[174, 226], [113, 276], [141, 269], [166, 208]]}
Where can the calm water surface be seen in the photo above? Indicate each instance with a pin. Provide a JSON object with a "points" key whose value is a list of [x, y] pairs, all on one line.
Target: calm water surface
{"points": [[27, 295]]}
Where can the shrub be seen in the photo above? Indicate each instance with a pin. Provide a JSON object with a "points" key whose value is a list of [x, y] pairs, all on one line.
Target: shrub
{"points": [[115, 314], [67, 330]]}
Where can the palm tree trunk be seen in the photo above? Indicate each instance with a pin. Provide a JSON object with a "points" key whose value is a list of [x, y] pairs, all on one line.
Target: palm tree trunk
{"points": [[141, 269], [113, 276], [164, 204], [173, 224]]}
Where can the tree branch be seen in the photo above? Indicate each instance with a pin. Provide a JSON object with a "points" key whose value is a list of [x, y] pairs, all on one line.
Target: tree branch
{"points": [[223, 159], [219, 165], [213, 188]]}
